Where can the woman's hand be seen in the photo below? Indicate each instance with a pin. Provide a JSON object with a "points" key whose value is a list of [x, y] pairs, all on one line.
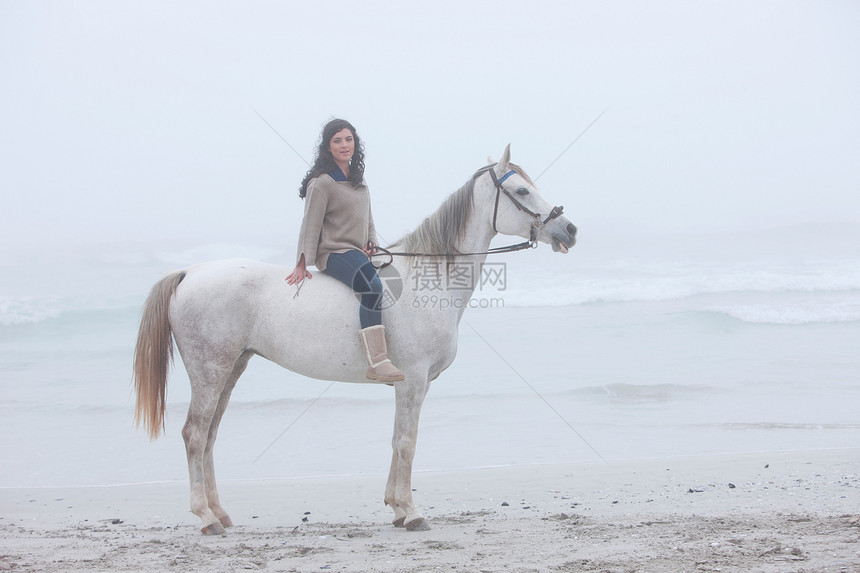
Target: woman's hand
{"points": [[370, 248], [299, 273]]}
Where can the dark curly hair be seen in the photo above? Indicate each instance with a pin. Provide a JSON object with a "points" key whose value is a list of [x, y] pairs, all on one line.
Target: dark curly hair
{"points": [[324, 162]]}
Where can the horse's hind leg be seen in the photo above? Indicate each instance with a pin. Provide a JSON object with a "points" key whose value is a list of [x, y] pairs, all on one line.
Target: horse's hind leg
{"points": [[208, 459], [211, 385]]}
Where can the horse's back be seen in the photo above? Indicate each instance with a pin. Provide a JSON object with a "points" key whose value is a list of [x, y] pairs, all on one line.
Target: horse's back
{"points": [[223, 285]]}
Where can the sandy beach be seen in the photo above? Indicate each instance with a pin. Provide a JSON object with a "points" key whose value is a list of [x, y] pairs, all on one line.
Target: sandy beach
{"points": [[763, 512]]}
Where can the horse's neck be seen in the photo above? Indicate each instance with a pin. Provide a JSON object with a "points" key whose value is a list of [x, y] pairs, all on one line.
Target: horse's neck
{"points": [[478, 234], [476, 239], [451, 283]]}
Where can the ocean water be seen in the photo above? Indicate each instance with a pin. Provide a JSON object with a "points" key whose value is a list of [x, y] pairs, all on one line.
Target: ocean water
{"points": [[625, 348]]}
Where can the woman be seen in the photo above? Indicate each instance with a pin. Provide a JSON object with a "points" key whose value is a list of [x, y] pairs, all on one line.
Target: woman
{"points": [[337, 235]]}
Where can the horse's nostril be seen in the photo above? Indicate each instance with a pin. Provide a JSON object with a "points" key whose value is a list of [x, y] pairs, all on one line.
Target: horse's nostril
{"points": [[571, 230]]}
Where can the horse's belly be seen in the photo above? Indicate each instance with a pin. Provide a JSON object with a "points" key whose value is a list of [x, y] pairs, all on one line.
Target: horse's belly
{"points": [[317, 353]]}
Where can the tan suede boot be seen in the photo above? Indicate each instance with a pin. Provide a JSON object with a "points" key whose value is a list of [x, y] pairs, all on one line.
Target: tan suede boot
{"points": [[380, 367]]}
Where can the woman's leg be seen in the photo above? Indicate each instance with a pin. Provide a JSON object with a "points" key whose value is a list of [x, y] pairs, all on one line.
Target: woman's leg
{"points": [[354, 269]]}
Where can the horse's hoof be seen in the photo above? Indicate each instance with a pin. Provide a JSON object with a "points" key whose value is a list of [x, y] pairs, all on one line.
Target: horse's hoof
{"points": [[226, 521], [419, 524], [213, 529], [399, 521]]}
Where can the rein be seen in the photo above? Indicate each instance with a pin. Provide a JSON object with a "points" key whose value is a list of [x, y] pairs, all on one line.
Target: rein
{"points": [[493, 251], [530, 244]]}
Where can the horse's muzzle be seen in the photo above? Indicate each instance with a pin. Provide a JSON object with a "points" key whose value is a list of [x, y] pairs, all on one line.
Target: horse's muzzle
{"points": [[561, 242]]}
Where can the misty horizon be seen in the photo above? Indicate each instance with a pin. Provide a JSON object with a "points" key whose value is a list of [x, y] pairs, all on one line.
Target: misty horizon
{"points": [[138, 122]]}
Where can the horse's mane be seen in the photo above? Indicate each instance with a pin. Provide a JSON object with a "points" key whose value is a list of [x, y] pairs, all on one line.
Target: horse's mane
{"points": [[442, 230]]}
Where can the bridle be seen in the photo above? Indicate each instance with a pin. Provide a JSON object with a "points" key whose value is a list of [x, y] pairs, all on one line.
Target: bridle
{"points": [[537, 224]]}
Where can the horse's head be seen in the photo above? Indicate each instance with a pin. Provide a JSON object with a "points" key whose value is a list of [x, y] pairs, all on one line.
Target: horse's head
{"points": [[520, 210]]}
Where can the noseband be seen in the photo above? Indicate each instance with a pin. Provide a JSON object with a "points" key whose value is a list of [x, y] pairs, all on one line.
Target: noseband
{"points": [[538, 223]]}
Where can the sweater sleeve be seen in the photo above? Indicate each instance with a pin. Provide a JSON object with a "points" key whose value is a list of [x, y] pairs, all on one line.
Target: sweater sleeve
{"points": [[309, 235], [371, 228]]}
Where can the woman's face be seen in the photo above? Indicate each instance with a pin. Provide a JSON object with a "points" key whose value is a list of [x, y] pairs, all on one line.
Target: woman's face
{"points": [[342, 146]]}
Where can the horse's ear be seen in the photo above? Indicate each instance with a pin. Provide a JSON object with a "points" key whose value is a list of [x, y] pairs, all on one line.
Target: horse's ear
{"points": [[490, 160], [502, 165]]}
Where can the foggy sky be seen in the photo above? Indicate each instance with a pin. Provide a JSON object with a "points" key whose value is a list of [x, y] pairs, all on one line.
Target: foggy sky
{"points": [[130, 121]]}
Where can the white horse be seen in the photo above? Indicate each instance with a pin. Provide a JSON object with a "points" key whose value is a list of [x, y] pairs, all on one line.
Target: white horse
{"points": [[222, 313]]}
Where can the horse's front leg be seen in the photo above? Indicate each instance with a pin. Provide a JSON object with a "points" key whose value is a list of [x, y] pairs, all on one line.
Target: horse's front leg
{"points": [[398, 492], [399, 513]]}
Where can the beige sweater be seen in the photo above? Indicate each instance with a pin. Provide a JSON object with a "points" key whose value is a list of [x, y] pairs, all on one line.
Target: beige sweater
{"points": [[337, 218]]}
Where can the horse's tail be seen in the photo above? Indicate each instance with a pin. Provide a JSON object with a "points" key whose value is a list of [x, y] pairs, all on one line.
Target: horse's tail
{"points": [[153, 355]]}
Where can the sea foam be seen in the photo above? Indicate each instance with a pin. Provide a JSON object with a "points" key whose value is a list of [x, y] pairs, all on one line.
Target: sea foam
{"points": [[28, 309], [643, 283], [809, 312]]}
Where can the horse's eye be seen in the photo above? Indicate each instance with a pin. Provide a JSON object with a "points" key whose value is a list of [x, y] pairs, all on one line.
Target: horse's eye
{"points": [[522, 191]]}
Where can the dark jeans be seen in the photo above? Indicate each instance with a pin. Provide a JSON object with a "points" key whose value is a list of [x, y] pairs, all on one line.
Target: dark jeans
{"points": [[353, 268]]}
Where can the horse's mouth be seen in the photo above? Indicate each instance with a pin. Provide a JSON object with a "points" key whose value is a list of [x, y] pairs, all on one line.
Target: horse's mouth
{"points": [[559, 247], [563, 240]]}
